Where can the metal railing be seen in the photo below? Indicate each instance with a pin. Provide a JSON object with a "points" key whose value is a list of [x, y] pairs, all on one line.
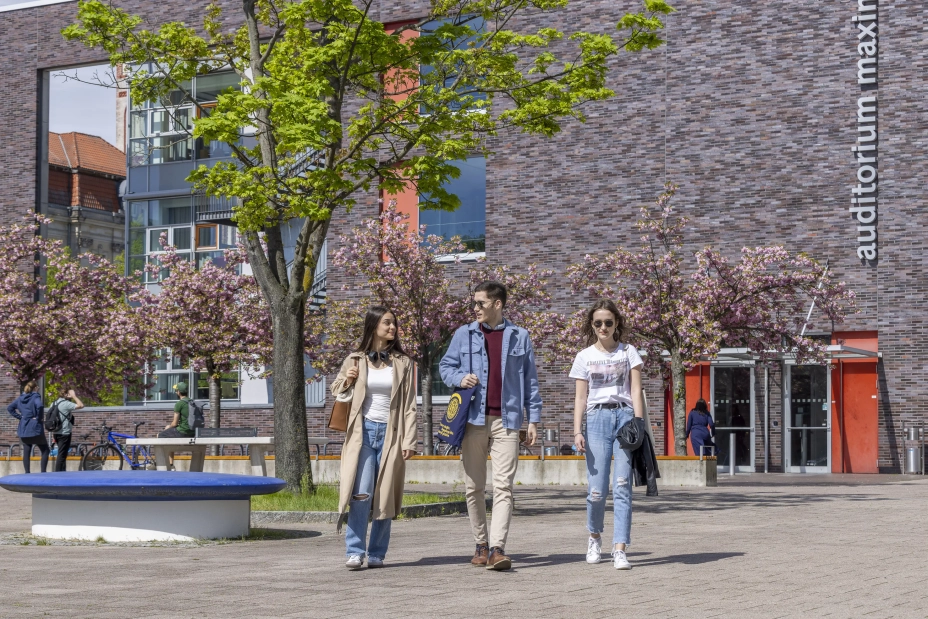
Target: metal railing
{"points": [[212, 208]]}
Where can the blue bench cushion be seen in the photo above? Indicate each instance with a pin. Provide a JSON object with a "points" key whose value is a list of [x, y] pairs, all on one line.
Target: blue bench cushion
{"points": [[141, 485]]}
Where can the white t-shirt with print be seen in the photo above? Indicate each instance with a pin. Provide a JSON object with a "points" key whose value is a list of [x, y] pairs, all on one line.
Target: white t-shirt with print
{"points": [[608, 374]]}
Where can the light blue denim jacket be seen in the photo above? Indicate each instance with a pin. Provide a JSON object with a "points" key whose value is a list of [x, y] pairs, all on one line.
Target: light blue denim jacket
{"points": [[520, 378]]}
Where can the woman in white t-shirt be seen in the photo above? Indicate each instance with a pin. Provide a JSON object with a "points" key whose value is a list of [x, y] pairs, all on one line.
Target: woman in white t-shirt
{"points": [[608, 392], [380, 437]]}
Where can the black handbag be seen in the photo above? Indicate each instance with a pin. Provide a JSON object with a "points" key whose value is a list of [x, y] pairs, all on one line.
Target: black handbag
{"points": [[452, 424]]}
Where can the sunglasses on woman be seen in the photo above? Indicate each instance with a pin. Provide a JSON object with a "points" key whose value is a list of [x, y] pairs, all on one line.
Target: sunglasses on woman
{"points": [[609, 323]]}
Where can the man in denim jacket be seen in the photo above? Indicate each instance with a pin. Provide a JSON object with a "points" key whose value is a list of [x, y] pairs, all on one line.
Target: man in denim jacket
{"points": [[507, 383]]}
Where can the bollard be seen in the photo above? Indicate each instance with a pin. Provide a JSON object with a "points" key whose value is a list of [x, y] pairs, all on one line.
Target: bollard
{"points": [[731, 453], [913, 456]]}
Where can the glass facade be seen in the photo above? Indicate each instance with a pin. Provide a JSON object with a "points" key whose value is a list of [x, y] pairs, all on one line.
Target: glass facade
{"points": [[162, 153]]}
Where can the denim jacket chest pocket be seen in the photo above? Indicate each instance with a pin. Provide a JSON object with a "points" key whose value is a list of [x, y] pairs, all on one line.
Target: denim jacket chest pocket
{"points": [[517, 357]]}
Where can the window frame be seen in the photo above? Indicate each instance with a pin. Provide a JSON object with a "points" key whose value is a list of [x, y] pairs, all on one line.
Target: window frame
{"points": [[196, 241]]}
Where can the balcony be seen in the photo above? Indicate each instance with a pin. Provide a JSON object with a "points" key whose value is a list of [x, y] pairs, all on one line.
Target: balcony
{"points": [[214, 210]]}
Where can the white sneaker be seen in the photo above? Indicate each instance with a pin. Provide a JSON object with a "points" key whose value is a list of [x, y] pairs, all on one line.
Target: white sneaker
{"points": [[374, 562], [619, 561], [594, 551], [354, 562]]}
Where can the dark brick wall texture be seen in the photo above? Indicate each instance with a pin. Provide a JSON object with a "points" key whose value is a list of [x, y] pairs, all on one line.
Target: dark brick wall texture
{"points": [[750, 108]]}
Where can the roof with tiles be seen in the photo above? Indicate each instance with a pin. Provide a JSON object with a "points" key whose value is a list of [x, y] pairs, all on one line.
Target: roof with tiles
{"points": [[85, 152]]}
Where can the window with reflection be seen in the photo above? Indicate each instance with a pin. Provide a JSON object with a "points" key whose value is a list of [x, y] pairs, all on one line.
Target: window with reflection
{"points": [[469, 220], [160, 132]]}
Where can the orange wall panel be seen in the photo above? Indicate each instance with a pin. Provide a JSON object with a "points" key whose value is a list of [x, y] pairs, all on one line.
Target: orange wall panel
{"points": [[855, 417], [397, 85], [697, 386], [407, 202], [864, 340]]}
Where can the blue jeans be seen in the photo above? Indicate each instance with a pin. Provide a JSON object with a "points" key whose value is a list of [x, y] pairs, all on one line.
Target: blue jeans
{"points": [[359, 509], [602, 424]]}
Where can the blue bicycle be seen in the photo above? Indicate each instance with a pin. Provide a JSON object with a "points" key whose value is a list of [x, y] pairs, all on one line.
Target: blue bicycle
{"points": [[109, 451]]}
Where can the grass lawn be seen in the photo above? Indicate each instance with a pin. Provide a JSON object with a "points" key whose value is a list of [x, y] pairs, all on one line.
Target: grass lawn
{"points": [[326, 500]]}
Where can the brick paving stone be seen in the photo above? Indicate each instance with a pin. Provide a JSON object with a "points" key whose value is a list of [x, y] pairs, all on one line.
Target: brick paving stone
{"points": [[756, 546]]}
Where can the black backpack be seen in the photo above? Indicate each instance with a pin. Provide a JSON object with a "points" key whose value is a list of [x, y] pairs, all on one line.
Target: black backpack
{"points": [[53, 421], [195, 415]]}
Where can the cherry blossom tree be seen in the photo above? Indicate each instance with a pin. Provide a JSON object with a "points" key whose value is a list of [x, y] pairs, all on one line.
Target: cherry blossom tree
{"points": [[407, 270], [758, 301], [64, 319], [211, 317]]}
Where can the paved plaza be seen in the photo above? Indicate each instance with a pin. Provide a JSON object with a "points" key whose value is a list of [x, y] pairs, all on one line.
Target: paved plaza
{"points": [[756, 546]]}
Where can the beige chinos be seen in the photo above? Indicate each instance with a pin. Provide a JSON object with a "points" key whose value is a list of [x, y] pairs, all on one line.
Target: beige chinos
{"points": [[503, 447]]}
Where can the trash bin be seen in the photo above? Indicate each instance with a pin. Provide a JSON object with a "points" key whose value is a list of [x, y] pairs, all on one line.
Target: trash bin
{"points": [[912, 434], [913, 460]]}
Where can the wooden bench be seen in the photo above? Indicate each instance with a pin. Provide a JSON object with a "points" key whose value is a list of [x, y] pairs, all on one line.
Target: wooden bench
{"points": [[257, 449]]}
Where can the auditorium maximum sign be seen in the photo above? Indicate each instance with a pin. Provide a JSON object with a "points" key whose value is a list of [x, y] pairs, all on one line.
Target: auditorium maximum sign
{"points": [[864, 195]]}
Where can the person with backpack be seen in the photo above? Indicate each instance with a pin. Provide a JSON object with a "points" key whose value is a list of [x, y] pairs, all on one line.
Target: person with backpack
{"points": [[31, 431], [59, 420], [180, 426]]}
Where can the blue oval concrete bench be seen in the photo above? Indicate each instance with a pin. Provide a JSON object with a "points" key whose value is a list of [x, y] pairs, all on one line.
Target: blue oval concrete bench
{"points": [[141, 505]]}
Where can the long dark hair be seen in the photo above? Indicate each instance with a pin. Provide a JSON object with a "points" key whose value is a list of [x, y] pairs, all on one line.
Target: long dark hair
{"points": [[701, 406], [587, 331], [371, 320]]}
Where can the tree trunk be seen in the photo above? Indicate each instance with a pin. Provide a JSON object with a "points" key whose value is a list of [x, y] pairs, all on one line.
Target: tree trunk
{"points": [[291, 447], [425, 389], [214, 378], [678, 389], [284, 288]]}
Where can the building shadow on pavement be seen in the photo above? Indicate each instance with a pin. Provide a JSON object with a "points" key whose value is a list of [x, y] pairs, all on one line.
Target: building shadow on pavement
{"points": [[674, 502]]}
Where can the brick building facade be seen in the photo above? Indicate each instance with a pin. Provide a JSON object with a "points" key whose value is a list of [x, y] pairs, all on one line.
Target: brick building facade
{"points": [[751, 108]]}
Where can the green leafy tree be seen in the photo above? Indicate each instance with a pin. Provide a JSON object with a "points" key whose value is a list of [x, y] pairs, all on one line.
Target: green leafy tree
{"points": [[333, 105]]}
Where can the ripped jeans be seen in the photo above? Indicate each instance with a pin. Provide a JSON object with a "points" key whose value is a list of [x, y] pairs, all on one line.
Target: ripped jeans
{"points": [[359, 509], [602, 424]]}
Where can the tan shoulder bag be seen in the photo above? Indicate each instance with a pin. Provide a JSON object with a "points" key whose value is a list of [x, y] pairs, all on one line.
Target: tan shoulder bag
{"points": [[338, 418]]}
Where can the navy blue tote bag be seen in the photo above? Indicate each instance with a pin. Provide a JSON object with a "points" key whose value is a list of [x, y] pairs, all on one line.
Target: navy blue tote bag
{"points": [[451, 427]]}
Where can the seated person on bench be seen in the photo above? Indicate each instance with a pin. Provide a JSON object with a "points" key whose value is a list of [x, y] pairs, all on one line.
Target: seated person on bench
{"points": [[179, 427]]}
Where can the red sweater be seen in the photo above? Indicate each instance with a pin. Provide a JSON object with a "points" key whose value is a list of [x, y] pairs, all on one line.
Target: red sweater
{"points": [[494, 347]]}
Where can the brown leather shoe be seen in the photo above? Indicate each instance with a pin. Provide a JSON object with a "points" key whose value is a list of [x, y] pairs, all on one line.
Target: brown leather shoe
{"points": [[498, 560], [480, 556]]}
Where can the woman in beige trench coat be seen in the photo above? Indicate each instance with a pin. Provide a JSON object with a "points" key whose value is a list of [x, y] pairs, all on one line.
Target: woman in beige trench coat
{"points": [[381, 436]]}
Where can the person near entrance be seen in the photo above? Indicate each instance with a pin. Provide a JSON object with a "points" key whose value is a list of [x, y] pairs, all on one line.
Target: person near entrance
{"points": [[28, 409], [700, 429], [67, 404], [380, 437], [507, 385], [608, 392]]}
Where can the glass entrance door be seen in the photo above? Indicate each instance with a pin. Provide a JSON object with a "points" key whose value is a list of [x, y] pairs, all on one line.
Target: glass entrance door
{"points": [[733, 413], [808, 419]]}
